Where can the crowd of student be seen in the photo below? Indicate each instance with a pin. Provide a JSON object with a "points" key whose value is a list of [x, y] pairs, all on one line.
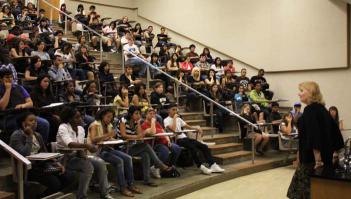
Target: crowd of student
{"points": [[39, 68]]}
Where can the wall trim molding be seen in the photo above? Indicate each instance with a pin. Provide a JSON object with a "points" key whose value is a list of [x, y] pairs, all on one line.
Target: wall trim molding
{"points": [[107, 5]]}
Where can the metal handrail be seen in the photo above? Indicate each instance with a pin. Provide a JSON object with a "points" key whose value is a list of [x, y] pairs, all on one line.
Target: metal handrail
{"points": [[194, 90], [73, 19], [20, 162]]}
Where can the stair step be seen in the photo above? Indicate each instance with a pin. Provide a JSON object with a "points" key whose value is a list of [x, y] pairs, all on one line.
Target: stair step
{"points": [[192, 116], [225, 148], [232, 157], [207, 130], [6, 195], [221, 138], [196, 122]]}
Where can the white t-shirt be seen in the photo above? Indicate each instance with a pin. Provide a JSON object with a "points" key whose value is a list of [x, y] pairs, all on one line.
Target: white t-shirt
{"points": [[179, 124], [133, 48], [66, 135]]}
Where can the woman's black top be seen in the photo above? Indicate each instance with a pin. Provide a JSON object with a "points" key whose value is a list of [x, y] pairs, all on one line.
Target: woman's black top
{"points": [[317, 130]]}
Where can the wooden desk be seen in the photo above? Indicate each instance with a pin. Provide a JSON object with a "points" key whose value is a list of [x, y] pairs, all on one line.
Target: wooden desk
{"points": [[329, 185]]}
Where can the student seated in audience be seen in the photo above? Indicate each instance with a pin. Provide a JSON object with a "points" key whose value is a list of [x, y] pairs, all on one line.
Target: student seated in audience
{"points": [[203, 65], [90, 94], [26, 141], [289, 131], [81, 42], [23, 18], [240, 98], [140, 98], [163, 39], [217, 66], [13, 96], [228, 85], [41, 15], [275, 117], [107, 81], [167, 151], [81, 15], [125, 38], [123, 25], [210, 79], [149, 36], [164, 55], [59, 42], [5, 63], [19, 50], [175, 124], [44, 27], [230, 67], [71, 135], [134, 61], [217, 96], [186, 66], [265, 86], [172, 65], [6, 14], [137, 33], [70, 94], [102, 130], [296, 112], [40, 51], [69, 60], [111, 37], [83, 61], [244, 81], [208, 55], [128, 78], [334, 113], [155, 74], [196, 81], [42, 96], [122, 99], [130, 128], [258, 97], [34, 70], [261, 139], [194, 57], [159, 99], [58, 71]]}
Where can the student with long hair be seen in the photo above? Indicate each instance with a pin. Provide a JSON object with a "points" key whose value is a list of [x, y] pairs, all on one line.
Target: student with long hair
{"points": [[334, 113], [102, 130]]}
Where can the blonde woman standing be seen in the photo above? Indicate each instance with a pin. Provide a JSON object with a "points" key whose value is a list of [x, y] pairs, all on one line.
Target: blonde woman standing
{"points": [[319, 139]]}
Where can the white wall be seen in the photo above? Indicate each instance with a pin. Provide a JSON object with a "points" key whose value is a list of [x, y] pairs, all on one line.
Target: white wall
{"points": [[274, 34]]}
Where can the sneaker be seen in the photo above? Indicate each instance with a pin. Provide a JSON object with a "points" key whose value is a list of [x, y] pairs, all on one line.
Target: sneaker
{"points": [[155, 172], [215, 168], [207, 143], [112, 50], [107, 196], [205, 170]]}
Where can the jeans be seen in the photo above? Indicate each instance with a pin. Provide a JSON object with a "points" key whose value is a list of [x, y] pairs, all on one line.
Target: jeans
{"points": [[137, 62], [147, 155], [86, 167], [193, 145], [123, 164], [85, 170], [167, 154]]}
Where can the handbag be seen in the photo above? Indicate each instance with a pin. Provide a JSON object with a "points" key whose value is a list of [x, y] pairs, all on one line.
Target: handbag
{"points": [[173, 173]]}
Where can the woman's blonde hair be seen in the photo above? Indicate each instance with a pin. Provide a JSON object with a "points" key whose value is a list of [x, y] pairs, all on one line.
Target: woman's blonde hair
{"points": [[193, 72], [243, 108], [313, 89]]}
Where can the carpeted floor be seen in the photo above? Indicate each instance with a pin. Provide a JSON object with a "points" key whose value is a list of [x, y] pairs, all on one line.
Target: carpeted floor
{"points": [[271, 184]]}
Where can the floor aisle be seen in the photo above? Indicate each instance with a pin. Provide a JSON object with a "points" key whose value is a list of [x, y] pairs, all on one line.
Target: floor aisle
{"points": [[271, 184]]}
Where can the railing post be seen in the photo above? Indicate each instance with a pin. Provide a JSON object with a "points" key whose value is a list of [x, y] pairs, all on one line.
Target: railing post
{"points": [[211, 113], [253, 148], [20, 179], [177, 92], [50, 15], [66, 24], [38, 6], [148, 77], [101, 50]]}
